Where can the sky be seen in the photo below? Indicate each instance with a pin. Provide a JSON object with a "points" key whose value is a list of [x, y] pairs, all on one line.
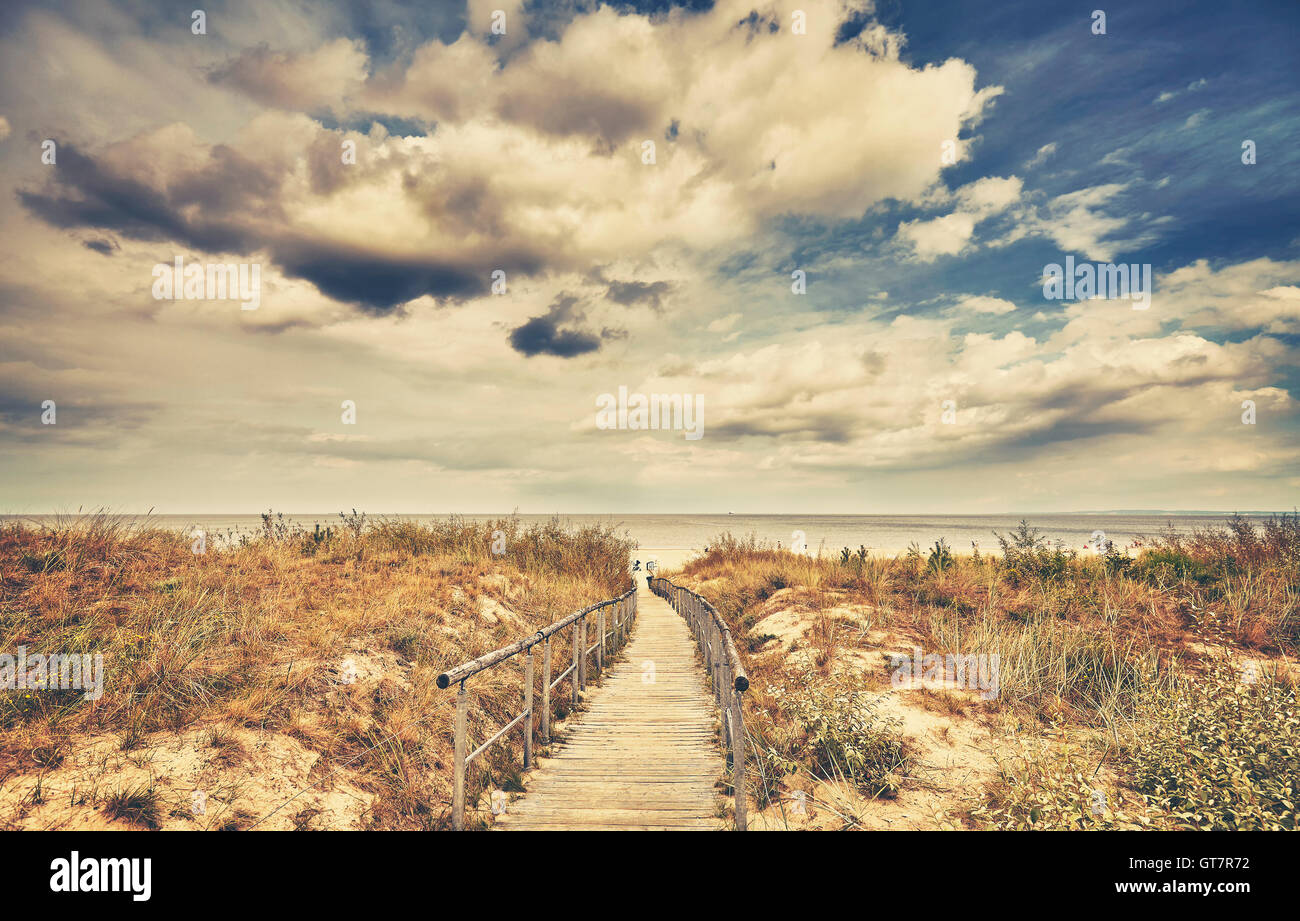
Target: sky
{"points": [[822, 224]]}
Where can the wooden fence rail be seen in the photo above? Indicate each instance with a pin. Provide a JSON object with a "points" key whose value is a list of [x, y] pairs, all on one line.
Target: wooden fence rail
{"points": [[726, 672], [621, 614]]}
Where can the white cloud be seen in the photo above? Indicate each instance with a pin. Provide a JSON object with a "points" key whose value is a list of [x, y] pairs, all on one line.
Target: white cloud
{"points": [[1077, 223], [941, 236], [1043, 153], [322, 79], [979, 303], [1260, 294], [952, 233], [724, 324]]}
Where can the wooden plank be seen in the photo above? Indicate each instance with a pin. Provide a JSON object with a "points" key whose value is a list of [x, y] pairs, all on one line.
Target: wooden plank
{"points": [[643, 753]]}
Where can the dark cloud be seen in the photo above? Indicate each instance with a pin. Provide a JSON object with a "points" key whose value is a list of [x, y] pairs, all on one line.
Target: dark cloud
{"points": [[85, 415], [377, 282], [212, 208], [85, 193], [632, 293], [757, 25], [545, 335], [103, 246], [540, 336]]}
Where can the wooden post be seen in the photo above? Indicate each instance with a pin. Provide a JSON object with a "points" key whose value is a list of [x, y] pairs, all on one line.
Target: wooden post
{"points": [[546, 692], [600, 649], [573, 678], [724, 669], [738, 760], [458, 782], [528, 706], [715, 648], [582, 654]]}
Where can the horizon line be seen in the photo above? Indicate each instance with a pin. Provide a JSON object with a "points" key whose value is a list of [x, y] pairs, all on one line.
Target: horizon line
{"points": [[479, 514]]}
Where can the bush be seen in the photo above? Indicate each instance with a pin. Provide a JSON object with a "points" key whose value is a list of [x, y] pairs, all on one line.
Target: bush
{"points": [[1043, 790], [839, 733], [1220, 753], [1164, 566], [940, 557], [1026, 554]]}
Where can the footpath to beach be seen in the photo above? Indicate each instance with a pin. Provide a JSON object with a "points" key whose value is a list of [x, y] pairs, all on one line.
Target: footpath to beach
{"points": [[643, 754]]}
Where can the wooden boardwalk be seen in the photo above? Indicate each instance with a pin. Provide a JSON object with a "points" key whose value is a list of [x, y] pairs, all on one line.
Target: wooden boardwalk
{"points": [[643, 755]]}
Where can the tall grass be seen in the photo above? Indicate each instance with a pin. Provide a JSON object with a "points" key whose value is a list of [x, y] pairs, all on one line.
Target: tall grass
{"points": [[251, 633], [1108, 644]]}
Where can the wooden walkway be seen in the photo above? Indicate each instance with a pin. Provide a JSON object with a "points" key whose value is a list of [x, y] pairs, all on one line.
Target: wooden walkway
{"points": [[643, 754]]}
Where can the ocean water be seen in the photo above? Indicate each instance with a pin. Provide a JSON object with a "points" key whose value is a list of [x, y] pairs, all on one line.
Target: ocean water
{"points": [[672, 539]]}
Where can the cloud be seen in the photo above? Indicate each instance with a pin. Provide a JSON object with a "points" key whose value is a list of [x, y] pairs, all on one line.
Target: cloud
{"points": [[320, 80], [544, 335], [952, 233], [941, 236], [978, 303], [523, 153], [1041, 157], [1077, 222], [219, 200], [724, 324], [535, 167], [1192, 87], [1260, 294], [633, 293], [843, 405], [104, 247]]}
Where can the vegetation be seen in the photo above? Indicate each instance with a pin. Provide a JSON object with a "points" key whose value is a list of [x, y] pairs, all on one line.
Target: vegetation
{"points": [[1222, 752], [1109, 663], [833, 729], [264, 633]]}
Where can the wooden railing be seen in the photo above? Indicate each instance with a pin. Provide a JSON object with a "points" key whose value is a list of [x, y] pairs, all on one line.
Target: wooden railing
{"points": [[619, 623], [726, 672]]}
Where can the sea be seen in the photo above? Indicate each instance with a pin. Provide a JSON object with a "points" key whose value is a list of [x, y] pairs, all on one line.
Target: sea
{"points": [[669, 540]]}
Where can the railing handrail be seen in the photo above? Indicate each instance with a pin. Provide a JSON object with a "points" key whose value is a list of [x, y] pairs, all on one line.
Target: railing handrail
{"points": [[726, 672], [737, 667], [496, 656], [620, 622]]}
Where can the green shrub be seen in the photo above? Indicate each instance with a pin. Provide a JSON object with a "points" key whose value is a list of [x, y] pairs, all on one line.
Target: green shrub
{"points": [[839, 733], [1221, 753], [1041, 789], [940, 557], [1164, 566], [1027, 555]]}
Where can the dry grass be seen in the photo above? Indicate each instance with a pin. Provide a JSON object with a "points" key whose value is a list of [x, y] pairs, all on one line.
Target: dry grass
{"points": [[263, 634], [1089, 647]]}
